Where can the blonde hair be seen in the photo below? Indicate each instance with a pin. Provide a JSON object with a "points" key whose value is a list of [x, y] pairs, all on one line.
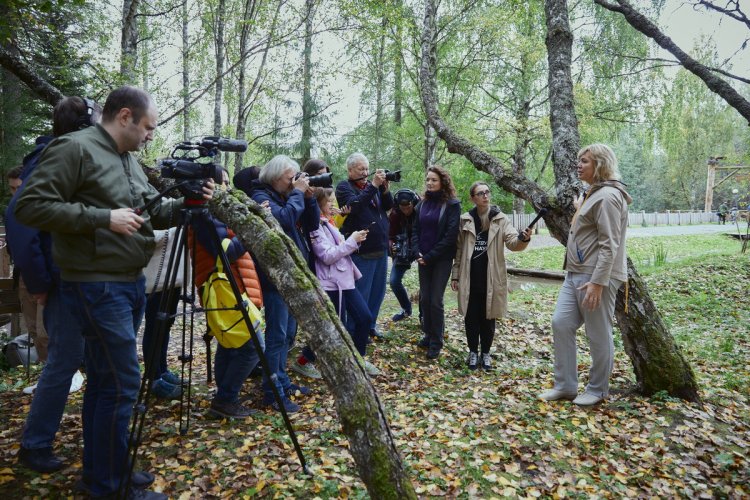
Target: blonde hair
{"points": [[605, 168]]}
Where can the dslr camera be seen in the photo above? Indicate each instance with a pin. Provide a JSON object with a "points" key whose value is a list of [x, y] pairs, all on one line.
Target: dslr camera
{"points": [[394, 175], [322, 180], [190, 163]]}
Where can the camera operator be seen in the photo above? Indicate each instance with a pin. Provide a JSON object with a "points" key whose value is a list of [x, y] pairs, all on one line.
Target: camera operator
{"points": [[293, 205], [84, 191], [368, 203]]}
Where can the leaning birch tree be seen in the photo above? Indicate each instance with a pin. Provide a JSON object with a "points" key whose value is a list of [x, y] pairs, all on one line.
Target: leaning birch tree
{"points": [[658, 362]]}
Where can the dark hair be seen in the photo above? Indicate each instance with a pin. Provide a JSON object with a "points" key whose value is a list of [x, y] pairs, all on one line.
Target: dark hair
{"points": [[243, 180], [312, 167], [476, 185], [74, 113], [136, 100], [14, 173], [446, 183]]}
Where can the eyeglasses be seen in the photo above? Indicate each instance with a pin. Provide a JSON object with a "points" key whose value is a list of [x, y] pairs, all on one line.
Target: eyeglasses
{"points": [[482, 194]]}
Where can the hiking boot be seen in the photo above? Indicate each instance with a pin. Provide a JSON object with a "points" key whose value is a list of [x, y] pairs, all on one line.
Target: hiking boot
{"points": [[294, 389], [486, 361], [402, 315], [40, 459], [472, 361], [307, 370], [433, 353], [227, 409], [164, 390], [371, 369], [170, 377], [424, 343], [136, 494], [289, 405]]}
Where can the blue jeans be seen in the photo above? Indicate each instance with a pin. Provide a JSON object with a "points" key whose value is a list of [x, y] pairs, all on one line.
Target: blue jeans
{"points": [[352, 302], [397, 287], [371, 285], [232, 367], [281, 327], [155, 349], [64, 358], [110, 313]]}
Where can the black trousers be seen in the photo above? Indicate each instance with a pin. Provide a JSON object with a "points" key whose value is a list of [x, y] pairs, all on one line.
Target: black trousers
{"points": [[433, 278], [478, 327]]}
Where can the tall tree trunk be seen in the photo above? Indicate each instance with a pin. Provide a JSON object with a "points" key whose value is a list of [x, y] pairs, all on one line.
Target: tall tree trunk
{"points": [[657, 360], [129, 42], [219, 52], [522, 144], [185, 72], [664, 369], [145, 50], [379, 89], [363, 418], [307, 99], [398, 87]]}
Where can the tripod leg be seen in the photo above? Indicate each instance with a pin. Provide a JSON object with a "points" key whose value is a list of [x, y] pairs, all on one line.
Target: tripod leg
{"points": [[258, 347]]}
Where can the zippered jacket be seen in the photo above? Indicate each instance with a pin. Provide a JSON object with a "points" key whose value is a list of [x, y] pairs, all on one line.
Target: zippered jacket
{"points": [[596, 244], [80, 179], [369, 211]]}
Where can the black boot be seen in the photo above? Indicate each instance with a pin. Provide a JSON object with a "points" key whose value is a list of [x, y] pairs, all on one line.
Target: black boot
{"points": [[41, 459]]}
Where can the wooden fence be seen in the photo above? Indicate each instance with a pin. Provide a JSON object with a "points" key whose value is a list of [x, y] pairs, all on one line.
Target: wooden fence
{"points": [[668, 218]]}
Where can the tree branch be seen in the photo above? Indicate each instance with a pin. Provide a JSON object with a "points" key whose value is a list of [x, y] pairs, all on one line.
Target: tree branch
{"points": [[648, 28], [37, 84]]}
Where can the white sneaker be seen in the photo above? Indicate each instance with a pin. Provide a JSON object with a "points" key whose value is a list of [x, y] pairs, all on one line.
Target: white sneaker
{"points": [[371, 369], [587, 399], [30, 389], [554, 395], [77, 382]]}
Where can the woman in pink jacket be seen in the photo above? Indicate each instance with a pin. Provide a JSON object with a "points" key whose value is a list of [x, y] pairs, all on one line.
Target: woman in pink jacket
{"points": [[337, 273]]}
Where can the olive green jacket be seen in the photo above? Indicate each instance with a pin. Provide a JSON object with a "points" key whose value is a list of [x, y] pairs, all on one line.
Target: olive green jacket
{"points": [[80, 178]]}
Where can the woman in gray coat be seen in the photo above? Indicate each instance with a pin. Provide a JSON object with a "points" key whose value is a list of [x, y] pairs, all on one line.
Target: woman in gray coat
{"points": [[595, 261], [479, 274]]}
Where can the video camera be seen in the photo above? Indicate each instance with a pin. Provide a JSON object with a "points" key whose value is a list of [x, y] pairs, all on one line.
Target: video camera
{"points": [[188, 167], [322, 180]]}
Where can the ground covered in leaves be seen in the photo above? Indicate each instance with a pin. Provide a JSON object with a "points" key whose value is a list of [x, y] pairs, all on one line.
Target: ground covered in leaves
{"points": [[470, 434]]}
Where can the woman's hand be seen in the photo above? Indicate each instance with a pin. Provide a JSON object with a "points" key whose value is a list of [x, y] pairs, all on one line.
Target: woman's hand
{"points": [[421, 261], [593, 296], [360, 236], [454, 285]]}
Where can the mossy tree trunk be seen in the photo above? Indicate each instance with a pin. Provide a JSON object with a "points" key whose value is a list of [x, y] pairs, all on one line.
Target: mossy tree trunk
{"points": [[360, 411], [657, 360]]}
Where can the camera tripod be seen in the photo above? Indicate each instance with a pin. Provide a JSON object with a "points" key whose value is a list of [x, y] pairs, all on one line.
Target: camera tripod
{"points": [[194, 210]]}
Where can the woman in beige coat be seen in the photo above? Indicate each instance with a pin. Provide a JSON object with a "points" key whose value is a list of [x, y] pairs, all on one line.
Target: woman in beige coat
{"points": [[479, 274]]}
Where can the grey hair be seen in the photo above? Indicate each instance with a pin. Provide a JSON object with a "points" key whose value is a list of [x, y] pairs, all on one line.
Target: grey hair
{"points": [[276, 167], [606, 162], [355, 158]]}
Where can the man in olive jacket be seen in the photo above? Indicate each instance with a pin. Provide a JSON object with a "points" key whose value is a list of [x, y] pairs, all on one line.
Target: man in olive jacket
{"points": [[84, 192]]}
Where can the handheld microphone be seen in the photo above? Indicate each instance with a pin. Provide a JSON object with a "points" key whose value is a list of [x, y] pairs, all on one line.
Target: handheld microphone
{"points": [[541, 214]]}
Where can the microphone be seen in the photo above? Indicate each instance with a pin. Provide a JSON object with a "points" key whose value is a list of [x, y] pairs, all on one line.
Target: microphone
{"points": [[541, 214]]}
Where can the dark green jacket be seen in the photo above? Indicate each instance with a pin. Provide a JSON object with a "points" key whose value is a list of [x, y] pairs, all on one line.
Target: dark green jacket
{"points": [[80, 178]]}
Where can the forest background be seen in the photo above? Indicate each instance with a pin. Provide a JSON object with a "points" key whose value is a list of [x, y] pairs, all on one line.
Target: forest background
{"points": [[325, 78]]}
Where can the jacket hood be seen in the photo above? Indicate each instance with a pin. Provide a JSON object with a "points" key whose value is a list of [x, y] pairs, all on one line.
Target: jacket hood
{"points": [[246, 179], [619, 185]]}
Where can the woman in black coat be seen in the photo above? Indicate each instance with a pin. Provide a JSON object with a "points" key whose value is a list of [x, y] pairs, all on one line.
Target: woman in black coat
{"points": [[436, 231]]}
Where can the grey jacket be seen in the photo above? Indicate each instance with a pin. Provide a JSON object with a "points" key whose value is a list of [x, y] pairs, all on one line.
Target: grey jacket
{"points": [[596, 244]]}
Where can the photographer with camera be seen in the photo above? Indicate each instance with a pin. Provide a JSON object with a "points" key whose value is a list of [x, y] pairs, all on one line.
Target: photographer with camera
{"points": [[368, 203], [85, 192], [293, 205], [402, 220]]}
